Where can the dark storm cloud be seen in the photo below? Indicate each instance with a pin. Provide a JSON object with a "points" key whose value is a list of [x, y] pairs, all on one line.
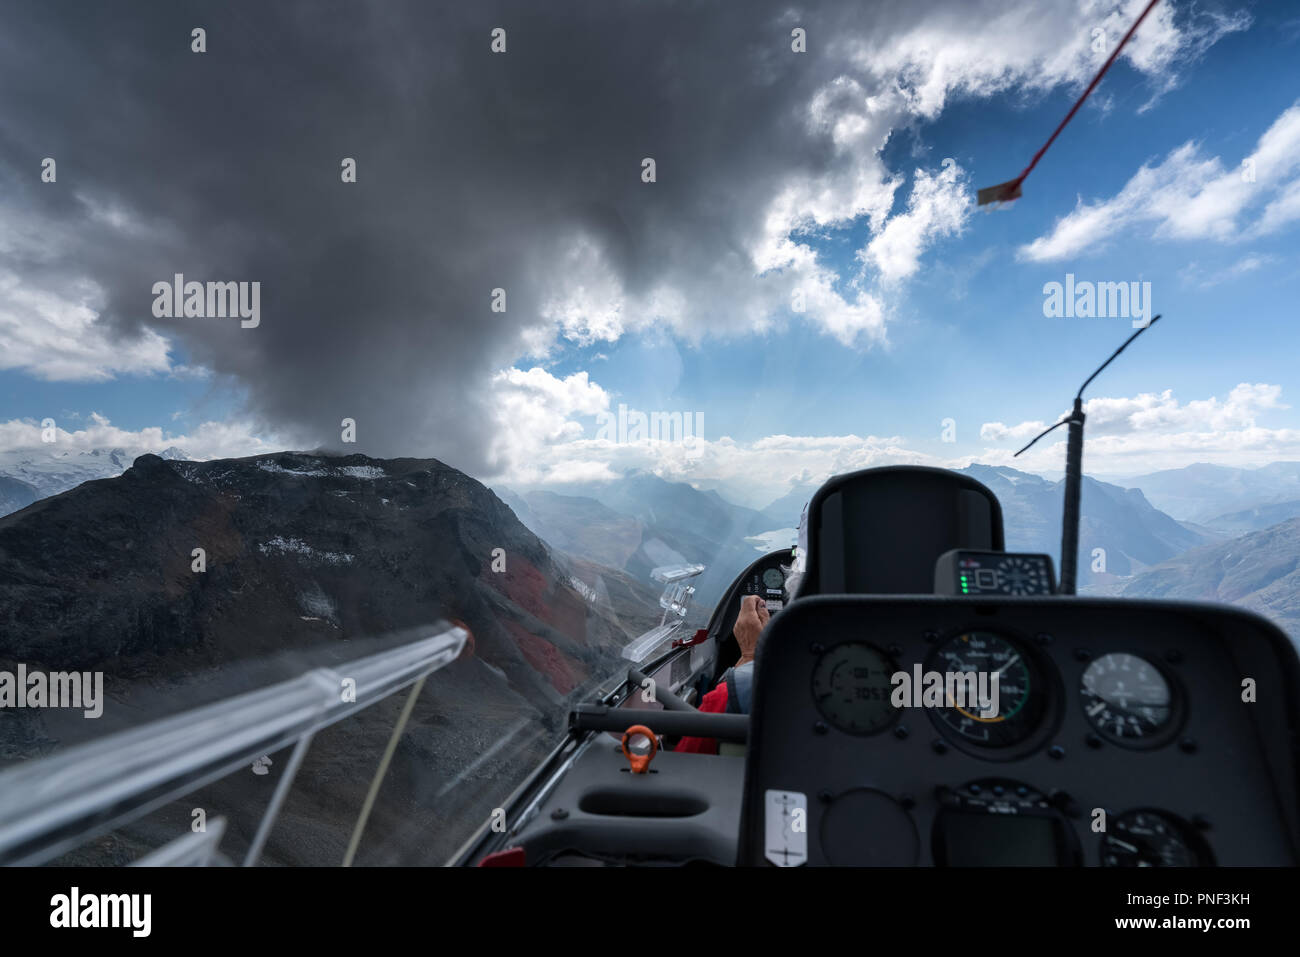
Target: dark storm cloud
{"points": [[375, 296], [475, 171]]}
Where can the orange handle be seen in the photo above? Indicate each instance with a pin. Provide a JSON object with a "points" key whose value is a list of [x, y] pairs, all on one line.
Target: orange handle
{"points": [[640, 762]]}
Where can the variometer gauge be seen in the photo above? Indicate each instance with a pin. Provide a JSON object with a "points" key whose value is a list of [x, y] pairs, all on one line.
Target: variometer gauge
{"points": [[1023, 575], [1129, 701], [972, 573]]}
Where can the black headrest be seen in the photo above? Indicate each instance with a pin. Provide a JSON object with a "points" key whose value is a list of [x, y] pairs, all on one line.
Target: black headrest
{"points": [[879, 531]]}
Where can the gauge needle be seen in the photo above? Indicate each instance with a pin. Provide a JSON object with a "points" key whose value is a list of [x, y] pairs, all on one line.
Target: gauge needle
{"points": [[1014, 659], [1124, 844]]}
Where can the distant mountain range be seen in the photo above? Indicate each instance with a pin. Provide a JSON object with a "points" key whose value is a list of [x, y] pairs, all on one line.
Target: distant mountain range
{"points": [[578, 525], [640, 522], [1260, 571], [787, 510], [30, 474], [1218, 495], [1254, 519], [1148, 553], [1133, 533]]}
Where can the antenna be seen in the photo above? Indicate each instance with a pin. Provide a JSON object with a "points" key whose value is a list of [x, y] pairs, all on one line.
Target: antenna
{"points": [[1074, 471]]}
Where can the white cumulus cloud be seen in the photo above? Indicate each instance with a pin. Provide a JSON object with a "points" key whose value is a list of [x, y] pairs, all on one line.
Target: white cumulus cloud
{"points": [[1189, 195]]}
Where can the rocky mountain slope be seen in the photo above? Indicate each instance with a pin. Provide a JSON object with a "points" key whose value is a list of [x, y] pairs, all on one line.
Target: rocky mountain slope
{"points": [[310, 556]]}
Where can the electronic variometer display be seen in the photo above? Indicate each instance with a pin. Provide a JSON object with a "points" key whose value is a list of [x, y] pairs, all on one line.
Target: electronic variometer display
{"points": [[967, 572]]}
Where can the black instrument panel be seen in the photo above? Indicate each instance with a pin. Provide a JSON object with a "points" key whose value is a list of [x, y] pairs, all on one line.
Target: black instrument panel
{"points": [[1124, 716], [763, 577], [767, 581]]}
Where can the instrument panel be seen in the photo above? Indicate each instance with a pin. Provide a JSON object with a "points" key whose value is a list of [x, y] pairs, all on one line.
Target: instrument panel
{"points": [[763, 577], [1057, 731], [769, 582]]}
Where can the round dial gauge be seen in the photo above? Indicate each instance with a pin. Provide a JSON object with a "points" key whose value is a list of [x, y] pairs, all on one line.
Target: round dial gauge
{"points": [[1127, 699], [851, 688], [1019, 702], [1152, 839], [772, 578], [1019, 576]]}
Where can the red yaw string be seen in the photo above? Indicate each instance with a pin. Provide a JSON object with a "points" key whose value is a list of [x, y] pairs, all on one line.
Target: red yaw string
{"points": [[1011, 189]]}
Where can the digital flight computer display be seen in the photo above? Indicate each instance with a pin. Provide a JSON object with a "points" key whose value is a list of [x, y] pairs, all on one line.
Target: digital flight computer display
{"points": [[968, 572]]}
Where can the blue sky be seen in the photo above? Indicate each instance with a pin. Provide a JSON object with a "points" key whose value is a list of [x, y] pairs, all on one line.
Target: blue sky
{"points": [[973, 315], [970, 322], [950, 327]]}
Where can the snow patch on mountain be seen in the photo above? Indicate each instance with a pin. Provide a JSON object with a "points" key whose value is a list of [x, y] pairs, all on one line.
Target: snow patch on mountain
{"points": [[369, 472], [296, 546], [275, 467], [364, 471]]}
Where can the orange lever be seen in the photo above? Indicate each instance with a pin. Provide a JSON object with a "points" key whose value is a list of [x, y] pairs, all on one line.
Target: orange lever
{"points": [[640, 762]]}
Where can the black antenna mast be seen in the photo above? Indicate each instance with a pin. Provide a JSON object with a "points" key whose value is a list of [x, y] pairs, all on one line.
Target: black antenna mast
{"points": [[1074, 472]]}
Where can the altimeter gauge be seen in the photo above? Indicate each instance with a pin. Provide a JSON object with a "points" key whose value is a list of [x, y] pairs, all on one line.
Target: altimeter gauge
{"points": [[851, 688]]}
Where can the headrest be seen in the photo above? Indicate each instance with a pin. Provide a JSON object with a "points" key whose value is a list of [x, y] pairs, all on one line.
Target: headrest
{"points": [[880, 531]]}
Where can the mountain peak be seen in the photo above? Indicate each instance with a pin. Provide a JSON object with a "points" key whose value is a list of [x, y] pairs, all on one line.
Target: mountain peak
{"points": [[317, 547]]}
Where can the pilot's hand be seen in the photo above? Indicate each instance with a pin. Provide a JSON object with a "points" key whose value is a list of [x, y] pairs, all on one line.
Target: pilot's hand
{"points": [[750, 623]]}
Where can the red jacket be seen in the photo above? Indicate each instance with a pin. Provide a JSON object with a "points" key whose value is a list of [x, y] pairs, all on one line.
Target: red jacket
{"points": [[715, 702]]}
